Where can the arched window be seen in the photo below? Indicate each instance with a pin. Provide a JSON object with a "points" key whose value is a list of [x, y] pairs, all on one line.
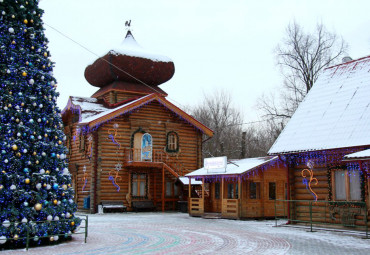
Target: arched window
{"points": [[172, 142]]}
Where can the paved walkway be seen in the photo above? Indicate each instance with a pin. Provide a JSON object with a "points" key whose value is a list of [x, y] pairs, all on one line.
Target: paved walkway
{"points": [[177, 233]]}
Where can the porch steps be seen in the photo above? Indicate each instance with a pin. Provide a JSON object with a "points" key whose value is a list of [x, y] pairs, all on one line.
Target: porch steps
{"points": [[211, 216]]}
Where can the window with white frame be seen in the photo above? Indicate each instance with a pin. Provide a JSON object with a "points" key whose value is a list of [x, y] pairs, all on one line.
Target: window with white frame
{"points": [[347, 185]]}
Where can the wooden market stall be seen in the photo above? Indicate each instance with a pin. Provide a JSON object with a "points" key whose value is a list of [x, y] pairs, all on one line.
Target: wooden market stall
{"points": [[246, 188]]}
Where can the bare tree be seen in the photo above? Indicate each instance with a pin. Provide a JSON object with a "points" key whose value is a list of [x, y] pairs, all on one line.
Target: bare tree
{"points": [[217, 112], [301, 57]]}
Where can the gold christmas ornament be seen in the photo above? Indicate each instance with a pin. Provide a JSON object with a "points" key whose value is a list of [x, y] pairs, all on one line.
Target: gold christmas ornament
{"points": [[59, 142], [52, 238], [46, 135], [24, 74], [34, 153], [31, 20], [45, 54], [18, 154], [37, 162], [38, 207], [15, 237], [14, 147], [13, 42], [47, 172], [27, 181], [44, 185], [72, 223], [55, 201], [9, 105], [25, 21]]}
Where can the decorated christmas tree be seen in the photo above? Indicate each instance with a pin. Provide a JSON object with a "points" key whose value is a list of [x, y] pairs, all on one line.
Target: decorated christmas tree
{"points": [[36, 196]]}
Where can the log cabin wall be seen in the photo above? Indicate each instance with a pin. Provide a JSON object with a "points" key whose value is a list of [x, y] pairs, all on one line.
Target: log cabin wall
{"points": [[154, 119], [325, 188], [78, 158]]}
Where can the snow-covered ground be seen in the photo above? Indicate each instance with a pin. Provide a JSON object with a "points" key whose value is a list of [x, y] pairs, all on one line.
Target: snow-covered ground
{"points": [[177, 233]]}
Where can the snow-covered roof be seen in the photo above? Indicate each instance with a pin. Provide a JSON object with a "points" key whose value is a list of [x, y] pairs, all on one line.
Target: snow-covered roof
{"points": [[185, 181], [92, 112], [130, 47], [235, 167], [365, 154], [90, 106], [334, 114], [108, 111]]}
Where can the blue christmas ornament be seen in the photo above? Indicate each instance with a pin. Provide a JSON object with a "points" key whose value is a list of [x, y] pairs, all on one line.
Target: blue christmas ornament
{"points": [[32, 137], [55, 186], [26, 170], [53, 155]]}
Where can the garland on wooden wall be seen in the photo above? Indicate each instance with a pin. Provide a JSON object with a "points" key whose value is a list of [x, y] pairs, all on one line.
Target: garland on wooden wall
{"points": [[113, 175], [84, 179], [308, 182], [112, 134]]}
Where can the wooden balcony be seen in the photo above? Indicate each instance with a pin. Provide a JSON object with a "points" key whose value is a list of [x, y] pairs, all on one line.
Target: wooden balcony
{"points": [[132, 157]]}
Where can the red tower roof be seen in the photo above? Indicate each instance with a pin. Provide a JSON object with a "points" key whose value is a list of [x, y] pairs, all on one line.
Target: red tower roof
{"points": [[130, 63]]}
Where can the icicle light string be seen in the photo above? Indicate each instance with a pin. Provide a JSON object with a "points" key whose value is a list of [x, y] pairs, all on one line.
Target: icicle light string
{"points": [[93, 53]]}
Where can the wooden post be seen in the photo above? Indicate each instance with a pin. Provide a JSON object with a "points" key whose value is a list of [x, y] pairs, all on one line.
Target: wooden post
{"points": [[222, 192], [239, 197], [189, 197], [203, 195], [163, 190], [154, 188]]}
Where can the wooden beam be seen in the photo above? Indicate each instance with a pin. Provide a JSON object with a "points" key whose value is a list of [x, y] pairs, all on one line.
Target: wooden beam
{"points": [[222, 192], [154, 188], [163, 188], [239, 197]]}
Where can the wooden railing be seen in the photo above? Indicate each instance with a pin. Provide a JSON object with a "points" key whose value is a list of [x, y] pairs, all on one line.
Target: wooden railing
{"points": [[230, 208], [196, 206], [159, 156]]}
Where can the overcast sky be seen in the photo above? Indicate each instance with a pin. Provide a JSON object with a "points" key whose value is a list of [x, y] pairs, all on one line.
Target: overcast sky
{"points": [[216, 44]]}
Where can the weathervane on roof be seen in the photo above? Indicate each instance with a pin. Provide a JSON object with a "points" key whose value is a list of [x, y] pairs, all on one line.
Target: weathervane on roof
{"points": [[128, 25]]}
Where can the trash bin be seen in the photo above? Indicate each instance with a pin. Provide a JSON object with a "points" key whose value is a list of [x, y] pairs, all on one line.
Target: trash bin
{"points": [[87, 202], [182, 206]]}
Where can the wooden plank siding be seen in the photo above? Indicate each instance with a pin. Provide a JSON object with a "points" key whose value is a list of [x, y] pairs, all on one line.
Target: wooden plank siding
{"points": [[152, 118], [243, 205]]}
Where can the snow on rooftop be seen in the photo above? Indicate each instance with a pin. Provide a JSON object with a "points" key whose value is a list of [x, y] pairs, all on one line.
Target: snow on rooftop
{"points": [[334, 114], [107, 111], [130, 47], [89, 106], [185, 181], [234, 167], [358, 155]]}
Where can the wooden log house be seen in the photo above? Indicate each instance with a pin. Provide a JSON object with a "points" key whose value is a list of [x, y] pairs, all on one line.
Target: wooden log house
{"points": [[246, 188], [127, 142], [328, 180]]}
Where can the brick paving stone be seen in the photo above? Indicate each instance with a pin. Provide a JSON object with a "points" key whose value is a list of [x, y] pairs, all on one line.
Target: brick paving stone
{"points": [[177, 233]]}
